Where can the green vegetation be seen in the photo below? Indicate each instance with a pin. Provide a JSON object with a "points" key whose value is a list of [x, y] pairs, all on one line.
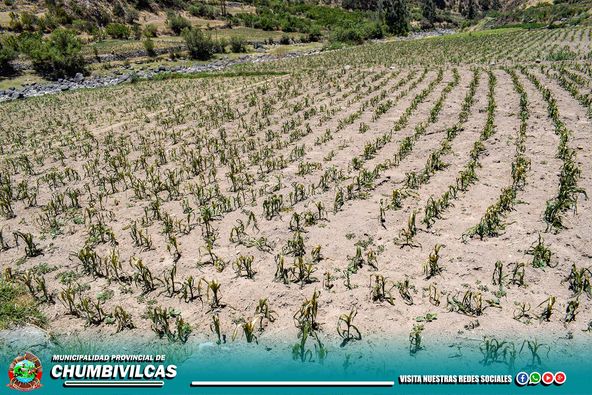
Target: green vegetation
{"points": [[312, 20], [238, 45], [177, 23], [200, 45], [204, 10], [168, 76], [555, 14], [8, 53], [397, 17], [17, 307], [58, 56], [118, 31], [149, 46]]}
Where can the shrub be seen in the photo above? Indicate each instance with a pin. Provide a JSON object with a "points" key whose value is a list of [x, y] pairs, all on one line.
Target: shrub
{"points": [[238, 45], [15, 22], [25, 42], [150, 31], [131, 16], [220, 45], [149, 46], [47, 23], [350, 35], [17, 307], [285, 40], [200, 45], [177, 23], [82, 26], [118, 31], [8, 53], [28, 21], [373, 31], [58, 56], [314, 34], [203, 10]]}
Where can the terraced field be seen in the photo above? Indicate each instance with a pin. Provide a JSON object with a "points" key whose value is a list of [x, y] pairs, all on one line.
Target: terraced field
{"points": [[359, 193]]}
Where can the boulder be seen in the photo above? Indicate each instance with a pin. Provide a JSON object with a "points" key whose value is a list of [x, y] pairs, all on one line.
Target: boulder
{"points": [[26, 338]]}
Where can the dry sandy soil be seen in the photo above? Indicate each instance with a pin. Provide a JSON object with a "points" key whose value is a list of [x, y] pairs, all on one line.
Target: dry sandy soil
{"points": [[194, 133]]}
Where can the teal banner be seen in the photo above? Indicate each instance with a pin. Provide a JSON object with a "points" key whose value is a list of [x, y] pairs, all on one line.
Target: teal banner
{"points": [[487, 366]]}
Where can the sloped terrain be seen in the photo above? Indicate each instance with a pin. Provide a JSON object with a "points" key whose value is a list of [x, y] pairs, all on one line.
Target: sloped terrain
{"points": [[391, 180]]}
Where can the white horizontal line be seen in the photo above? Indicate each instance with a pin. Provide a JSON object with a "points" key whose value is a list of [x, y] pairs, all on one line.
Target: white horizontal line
{"points": [[292, 383], [113, 383]]}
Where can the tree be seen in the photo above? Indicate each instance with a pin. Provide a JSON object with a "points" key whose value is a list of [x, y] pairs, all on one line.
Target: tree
{"points": [[177, 23], [200, 45], [429, 10], [441, 4], [59, 55], [7, 54], [471, 10], [396, 15]]}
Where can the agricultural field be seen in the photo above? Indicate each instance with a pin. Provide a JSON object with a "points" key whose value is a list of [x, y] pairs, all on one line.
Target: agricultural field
{"points": [[432, 189]]}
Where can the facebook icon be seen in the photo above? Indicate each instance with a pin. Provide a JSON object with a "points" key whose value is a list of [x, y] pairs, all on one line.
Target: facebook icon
{"points": [[522, 378]]}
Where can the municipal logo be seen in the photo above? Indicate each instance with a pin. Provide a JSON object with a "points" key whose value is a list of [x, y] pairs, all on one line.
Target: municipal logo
{"points": [[25, 373]]}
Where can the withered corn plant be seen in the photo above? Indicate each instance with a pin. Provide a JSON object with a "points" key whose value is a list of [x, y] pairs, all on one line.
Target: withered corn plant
{"points": [[216, 329], [415, 339], [541, 254], [248, 328], [346, 329], [535, 349], [243, 266], [306, 316], [381, 289], [496, 351], [548, 308], [264, 312], [161, 324], [432, 266], [123, 319], [31, 248]]}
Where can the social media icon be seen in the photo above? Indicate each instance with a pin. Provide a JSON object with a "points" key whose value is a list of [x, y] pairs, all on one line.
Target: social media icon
{"points": [[560, 378], [522, 378], [535, 378], [548, 378]]}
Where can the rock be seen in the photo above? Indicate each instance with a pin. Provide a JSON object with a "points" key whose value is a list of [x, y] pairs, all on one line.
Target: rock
{"points": [[27, 338], [118, 76]]}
